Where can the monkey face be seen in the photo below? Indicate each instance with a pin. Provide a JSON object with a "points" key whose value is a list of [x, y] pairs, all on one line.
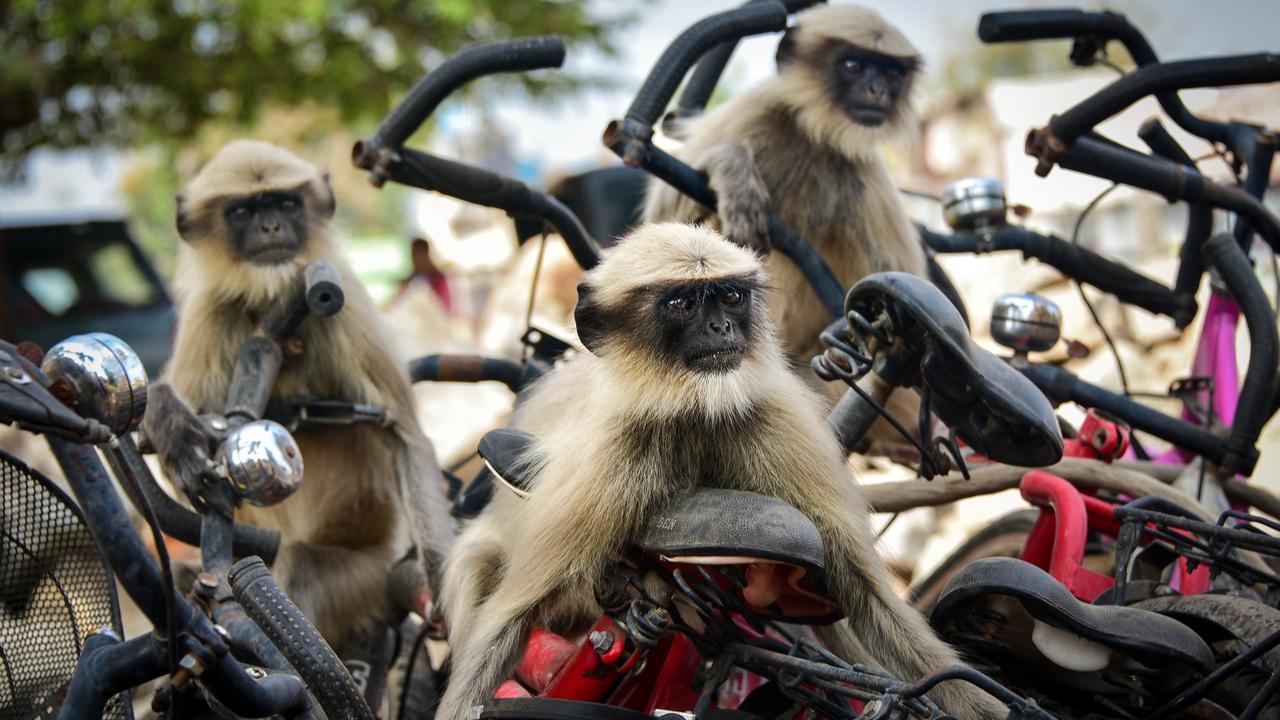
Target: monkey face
{"points": [[706, 327], [266, 228], [867, 85]]}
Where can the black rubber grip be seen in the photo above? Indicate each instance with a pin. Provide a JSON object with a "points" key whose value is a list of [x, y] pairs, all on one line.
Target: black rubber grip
{"points": [[1164, 77], [507, 56], [1224, 253], [1065, 24], [1108, 276], [323, 289], [318, 666], [1199, 215], [1171, 180], [692, 44], [482, 187], [706, 76], [467, 368], [1076, 263]]}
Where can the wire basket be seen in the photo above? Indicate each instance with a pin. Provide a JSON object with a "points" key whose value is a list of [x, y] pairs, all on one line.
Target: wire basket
{"points": [[55, 590]]}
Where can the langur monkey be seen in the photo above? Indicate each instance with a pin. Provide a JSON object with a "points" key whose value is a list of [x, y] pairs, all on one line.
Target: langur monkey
{"points": [[250, 221], [804, 146], [684, 385]]}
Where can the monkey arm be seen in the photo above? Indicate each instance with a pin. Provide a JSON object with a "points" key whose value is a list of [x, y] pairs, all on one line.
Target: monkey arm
{"points": [[741, 194], [564, 534], [897, 636], [184, 443]]}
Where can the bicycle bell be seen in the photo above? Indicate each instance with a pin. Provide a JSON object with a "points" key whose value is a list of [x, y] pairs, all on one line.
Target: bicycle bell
{"points": [[108, 378], [972, 204], [262, 461], [1025, 323]]}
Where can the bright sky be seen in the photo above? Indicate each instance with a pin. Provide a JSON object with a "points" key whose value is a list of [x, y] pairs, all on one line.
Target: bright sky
{"points": [[567, 136]]}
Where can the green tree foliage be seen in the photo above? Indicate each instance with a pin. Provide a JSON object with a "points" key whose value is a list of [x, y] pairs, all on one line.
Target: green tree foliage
{"points": [[123, 72]]}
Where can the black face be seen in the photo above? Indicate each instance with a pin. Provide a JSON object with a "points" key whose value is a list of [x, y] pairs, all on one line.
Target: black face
{"points": [[706, 327], [267, 228], [868, 85]]}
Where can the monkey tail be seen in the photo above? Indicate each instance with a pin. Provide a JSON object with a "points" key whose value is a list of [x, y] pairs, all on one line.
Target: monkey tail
{"points": [[421, 487]]}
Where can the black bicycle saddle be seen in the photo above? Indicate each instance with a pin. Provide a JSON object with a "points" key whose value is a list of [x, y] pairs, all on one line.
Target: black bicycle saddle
{"points": [[717, 526], [1150, 638], [990, 405], [505, 451]]}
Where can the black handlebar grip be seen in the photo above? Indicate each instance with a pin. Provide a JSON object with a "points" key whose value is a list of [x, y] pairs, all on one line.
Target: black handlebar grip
{"points": [[1019, 25], [481, 187], [1129, 286], [318, 666], [1171, 180], [1233, 266], [487, 59], [257, 367], [467, 368], [1164, 77], [692, 44], [323, 289], [706, 76]]}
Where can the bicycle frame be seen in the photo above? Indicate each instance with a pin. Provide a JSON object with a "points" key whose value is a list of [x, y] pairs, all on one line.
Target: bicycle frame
{"points": [[1215, 359]]}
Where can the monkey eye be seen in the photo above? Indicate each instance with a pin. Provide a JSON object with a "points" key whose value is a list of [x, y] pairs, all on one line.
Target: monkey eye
{"points": [[289, 205], [239, 212], [680, 304], [731, 297], [893, 74], [851, 64]]}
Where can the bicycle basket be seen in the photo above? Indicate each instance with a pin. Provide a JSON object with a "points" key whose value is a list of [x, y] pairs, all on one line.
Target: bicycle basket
{"points": [[55, 590]]}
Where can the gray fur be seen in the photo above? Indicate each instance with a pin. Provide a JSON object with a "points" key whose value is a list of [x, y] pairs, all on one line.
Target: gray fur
{"points": [[369, 493], [620, 436]]}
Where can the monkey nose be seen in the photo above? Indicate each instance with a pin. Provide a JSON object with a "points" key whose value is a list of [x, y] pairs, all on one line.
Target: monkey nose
{"points": [[720, 327]]}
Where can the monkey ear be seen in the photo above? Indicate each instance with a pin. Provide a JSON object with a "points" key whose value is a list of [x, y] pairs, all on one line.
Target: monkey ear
{"points": [[182, 219], [589, 317], [325, 201], [786, 47]]}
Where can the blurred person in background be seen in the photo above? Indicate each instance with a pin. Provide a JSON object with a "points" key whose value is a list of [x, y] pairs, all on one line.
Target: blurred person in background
{"points": [[425, 272]]}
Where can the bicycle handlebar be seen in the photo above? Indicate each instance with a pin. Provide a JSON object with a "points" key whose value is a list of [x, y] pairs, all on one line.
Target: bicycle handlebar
{"points": [[482, 187], [706, 76], [272, 610], [510, 56], [1164, 77], [473, 369], [1020, 25], [693, 43], [258, 363], [1062, 24], [1165, 178], [1225, 254], [1077, 263]]}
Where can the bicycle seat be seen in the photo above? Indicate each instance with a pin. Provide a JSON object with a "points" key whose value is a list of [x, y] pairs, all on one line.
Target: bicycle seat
{"points": [[990, 405], [713, 526], [505, 451], [1153, 639]]}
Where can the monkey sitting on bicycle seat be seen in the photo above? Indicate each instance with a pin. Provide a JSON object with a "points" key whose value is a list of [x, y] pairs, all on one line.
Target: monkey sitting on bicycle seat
{"points": [[684, 385]]}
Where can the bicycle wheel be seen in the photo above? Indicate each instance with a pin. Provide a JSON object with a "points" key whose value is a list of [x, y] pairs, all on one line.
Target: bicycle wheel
{"points": [[1004, 537], [1229, 625]]}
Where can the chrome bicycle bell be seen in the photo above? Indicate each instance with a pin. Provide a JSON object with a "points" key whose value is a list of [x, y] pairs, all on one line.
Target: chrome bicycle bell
{"points": [[974, 203], [1025, 322], [109, 380], [262, 461]]}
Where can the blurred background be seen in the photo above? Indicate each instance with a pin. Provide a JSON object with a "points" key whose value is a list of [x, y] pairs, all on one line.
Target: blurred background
{"points": [[107, 107]]}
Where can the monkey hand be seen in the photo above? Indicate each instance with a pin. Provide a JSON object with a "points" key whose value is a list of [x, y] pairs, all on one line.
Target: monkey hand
{"points": [[184, 442], [742, 197]]}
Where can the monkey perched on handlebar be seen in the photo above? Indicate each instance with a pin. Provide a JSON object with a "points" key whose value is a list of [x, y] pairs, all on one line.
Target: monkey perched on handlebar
{"points": [[250, 221], [685, 385], [804, 146]]}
